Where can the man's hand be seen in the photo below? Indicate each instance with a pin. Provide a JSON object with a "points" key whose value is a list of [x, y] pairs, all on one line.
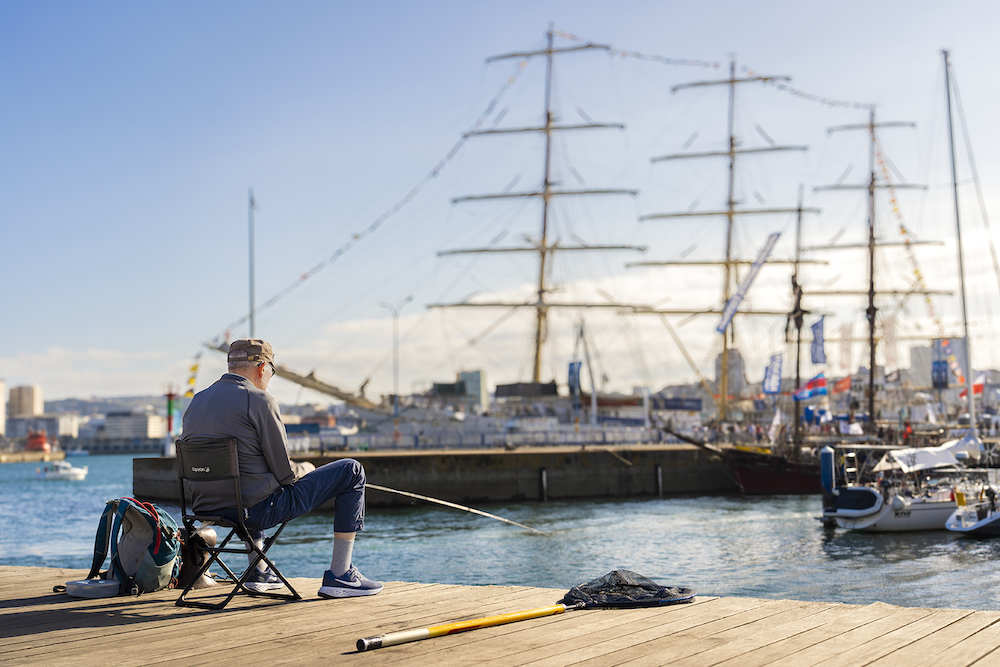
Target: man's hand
{"points": [[302, 468]]}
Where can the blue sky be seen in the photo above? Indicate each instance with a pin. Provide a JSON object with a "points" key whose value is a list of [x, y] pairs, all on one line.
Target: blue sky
{"points": [[131, 132]]}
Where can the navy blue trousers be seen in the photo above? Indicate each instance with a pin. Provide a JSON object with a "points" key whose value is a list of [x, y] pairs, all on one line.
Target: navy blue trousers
{"points": [[343, 480]]}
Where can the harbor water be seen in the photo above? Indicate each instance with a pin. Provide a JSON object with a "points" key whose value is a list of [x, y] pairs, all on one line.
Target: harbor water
{"points": [[770, 547]]}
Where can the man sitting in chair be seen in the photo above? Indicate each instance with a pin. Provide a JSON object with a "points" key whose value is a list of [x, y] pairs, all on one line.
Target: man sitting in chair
{"points": [[274, 488]]}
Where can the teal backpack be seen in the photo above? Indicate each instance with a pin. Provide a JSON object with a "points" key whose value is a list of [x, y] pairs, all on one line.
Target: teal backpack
{"points": [[145, 549]]}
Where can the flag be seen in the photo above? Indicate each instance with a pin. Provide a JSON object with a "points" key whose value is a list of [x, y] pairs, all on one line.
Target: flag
{"points": [[574, 383], [977, 386], [815, 387], [842, 385], [772, 376], [818, 353], [741, 291], [775, 430]]}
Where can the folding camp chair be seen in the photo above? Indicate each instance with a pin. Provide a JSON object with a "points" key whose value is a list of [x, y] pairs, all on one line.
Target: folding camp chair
{"points": [[216, 461]]}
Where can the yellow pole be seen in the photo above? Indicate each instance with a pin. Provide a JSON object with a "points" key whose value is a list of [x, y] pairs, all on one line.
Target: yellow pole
{"points": [[404, 636]]}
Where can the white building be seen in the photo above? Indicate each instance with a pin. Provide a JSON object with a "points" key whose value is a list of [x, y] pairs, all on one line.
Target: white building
{"points": [[3, 409], [26, 401], [923, 357], [129, 425], [65, 425]]}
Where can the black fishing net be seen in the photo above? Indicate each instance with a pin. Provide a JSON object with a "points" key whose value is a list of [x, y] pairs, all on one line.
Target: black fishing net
{"points": [[624, 588]]}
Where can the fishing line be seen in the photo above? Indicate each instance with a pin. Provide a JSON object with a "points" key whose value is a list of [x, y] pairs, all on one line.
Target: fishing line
{"points": [[454, 506]]}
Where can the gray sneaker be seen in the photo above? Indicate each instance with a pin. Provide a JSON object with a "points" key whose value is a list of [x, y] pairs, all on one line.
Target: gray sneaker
{"points": [[263, 581], [351, 584]]}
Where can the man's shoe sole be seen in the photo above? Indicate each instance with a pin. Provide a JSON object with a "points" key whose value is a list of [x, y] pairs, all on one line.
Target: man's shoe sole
{"points": [[258, 587], [333, 593]]}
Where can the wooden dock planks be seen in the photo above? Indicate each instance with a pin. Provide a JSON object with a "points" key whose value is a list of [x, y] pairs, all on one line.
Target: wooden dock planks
{"points": [[39, 626]]}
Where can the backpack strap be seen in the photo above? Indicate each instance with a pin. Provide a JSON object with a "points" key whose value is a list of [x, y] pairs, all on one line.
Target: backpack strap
{"points": [[150, 509], [101, 539]]}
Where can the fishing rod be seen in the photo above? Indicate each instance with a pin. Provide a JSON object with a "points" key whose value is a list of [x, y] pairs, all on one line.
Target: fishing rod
{"points": [[453, 506], [406, 636]]}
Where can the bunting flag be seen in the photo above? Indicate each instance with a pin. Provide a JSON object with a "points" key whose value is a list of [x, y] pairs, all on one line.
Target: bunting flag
{"points": [[826, 101], [907, 236], [641, 56], [977, 386], [952, 360], [357, 237], [815, 387], [817, 349], [194, 375], [840, 386], [772, 376]]}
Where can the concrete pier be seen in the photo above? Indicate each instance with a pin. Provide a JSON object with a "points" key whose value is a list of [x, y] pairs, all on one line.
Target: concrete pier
{"points": [[497, 475], [32, 457]]}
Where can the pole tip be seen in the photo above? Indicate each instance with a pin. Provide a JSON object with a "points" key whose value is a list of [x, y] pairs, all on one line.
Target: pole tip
{"points": [[368, 643]]}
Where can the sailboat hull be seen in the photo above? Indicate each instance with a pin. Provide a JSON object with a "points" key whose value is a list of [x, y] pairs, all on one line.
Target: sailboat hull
{"points": [[764, 474]]}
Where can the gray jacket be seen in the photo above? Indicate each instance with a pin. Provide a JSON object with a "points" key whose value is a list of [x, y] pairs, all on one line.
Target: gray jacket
{"points": [[234, 407]]}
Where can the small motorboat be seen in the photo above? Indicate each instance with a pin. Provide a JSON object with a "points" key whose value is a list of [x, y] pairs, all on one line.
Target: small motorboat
{"points": [[978, 516], [61, 470]]}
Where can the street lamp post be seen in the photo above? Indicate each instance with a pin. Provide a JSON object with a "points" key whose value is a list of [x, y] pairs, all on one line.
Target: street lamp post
{"points": [[395, 363]]}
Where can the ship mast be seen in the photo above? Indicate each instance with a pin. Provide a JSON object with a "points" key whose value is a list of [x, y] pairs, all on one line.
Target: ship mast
{"points": [[730, 264], [543, 248], [796, 316], [871, 311]]}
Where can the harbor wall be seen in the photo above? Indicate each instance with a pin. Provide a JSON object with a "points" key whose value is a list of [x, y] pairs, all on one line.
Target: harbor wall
{"points": [[31, 457], [478, 476]]}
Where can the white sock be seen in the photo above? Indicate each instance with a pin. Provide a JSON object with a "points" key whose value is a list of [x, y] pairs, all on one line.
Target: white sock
{"points": [[261, 566], [342, 553]]}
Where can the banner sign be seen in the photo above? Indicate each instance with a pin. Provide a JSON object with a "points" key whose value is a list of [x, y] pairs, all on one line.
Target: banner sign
{"points": [[734, 302], [818, 352], [574, 383], [688, 404], [772, 375]]}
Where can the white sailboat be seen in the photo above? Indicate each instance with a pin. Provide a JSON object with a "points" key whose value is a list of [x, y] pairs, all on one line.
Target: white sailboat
{"points": [[924, 503]]}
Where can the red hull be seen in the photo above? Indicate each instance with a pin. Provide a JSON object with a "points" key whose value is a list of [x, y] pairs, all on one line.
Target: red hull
{"points": [[763, 474]]}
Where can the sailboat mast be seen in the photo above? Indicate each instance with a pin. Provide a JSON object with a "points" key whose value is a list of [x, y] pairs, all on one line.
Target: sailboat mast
{"points": [[251, 205], [541, 313], [871, 311], [970, 393]]}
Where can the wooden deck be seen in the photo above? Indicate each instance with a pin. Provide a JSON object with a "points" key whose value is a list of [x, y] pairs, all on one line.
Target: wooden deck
{"points": [[38, 626]]}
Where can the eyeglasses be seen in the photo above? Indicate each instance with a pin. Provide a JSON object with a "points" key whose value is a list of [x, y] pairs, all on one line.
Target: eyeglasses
{"points": [[274, 371]]}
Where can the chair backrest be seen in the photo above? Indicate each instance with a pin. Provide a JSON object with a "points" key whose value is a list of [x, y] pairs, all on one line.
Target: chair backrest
{"points": [[207, 460]]}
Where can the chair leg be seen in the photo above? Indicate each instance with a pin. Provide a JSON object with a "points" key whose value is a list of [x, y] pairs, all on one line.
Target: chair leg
{"points": [[239, 581], [262, 555]]}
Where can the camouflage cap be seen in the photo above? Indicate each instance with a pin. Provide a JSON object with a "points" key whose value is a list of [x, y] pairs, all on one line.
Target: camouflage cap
{"points": [[252, 349]]}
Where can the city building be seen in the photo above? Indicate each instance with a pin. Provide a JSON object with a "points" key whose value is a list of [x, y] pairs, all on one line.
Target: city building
{"points": [[3, 409], [475, 387], [26, 401], [129, 425], [736, 372], [61, 425]]}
